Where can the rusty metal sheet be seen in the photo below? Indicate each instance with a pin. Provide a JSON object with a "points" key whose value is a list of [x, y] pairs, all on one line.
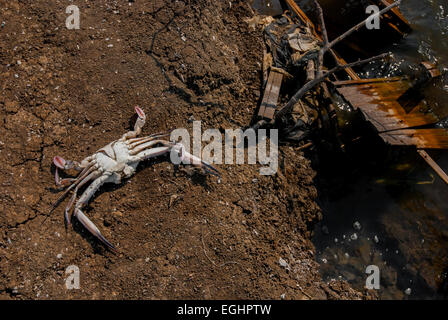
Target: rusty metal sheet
{"points": [[377, 101], [421, 138]]}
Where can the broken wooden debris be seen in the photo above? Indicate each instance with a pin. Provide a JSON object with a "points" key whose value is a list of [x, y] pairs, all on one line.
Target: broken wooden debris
{"points": [[433, 165], [304, 19], [271, 94], [311, 84]]}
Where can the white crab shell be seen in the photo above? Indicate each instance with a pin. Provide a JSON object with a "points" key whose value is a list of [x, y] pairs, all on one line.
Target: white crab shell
{"points": [[114, 158]]}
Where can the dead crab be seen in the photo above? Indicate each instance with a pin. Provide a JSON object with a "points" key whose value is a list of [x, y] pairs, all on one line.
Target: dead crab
{"points": [[119, 159]]}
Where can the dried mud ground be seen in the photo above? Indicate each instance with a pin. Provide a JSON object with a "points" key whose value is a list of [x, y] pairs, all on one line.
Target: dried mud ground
{"points": [[69, 92]]}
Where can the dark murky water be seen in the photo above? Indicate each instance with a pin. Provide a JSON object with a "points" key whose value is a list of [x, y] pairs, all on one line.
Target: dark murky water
{"points": [[387, 207], [267, 7], [400, 203]]}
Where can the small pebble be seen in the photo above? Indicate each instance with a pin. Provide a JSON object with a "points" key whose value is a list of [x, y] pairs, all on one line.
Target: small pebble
{"points": [[408, 291], [376, 239], [59, 256], [357, 226], [354, 236], [283, 263]]}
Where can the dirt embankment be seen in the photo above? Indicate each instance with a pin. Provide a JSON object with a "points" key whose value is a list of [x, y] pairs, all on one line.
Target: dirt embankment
{"points": [[69, 92]]}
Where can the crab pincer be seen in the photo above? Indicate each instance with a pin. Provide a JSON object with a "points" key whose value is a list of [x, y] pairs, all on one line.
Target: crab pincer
{"points": [[93, 229], [188, 158], [60, 163]]}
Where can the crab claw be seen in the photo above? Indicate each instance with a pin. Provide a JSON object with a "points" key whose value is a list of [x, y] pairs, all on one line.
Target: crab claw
{"points": [[188, 158], [92, 229], [140, 113], [59, 162]]}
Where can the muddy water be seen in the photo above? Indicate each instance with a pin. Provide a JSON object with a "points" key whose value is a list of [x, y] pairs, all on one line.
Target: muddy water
{"points": [[267, 7], [384, 206], [393, 211]]}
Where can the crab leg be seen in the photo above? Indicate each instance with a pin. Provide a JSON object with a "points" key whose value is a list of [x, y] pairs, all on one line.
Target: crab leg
{"points": [[149, 153], [188, 158], [83, 200], [147, 139], [154, 135], [147, 145], [91, 176], [79, 179]]}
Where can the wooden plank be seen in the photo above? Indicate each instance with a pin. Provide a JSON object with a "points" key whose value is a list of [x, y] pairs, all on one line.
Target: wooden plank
{"points": [[267, 92], [271, 94], [433, 165], [273, 97]]}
